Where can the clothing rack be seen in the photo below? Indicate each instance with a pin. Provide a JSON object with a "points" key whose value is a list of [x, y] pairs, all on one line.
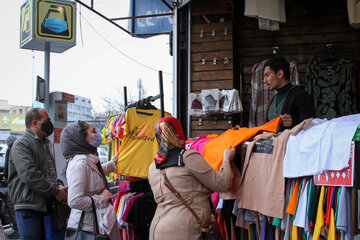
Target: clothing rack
{"points": [[146, 101]]}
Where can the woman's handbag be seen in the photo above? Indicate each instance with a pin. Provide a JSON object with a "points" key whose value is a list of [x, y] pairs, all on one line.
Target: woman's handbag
{"points": [[78, 234], [209, 232]]}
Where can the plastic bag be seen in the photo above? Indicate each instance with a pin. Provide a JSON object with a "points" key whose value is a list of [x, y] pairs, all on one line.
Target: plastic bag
{"points": [[106, 217]]}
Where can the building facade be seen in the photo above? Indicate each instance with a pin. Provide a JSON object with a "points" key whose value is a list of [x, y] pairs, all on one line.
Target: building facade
{"points": [[81, 109]]}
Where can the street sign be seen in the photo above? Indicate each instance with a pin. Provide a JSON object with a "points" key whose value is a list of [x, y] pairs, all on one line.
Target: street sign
{"points": [[150, 26], [55, 20], [48, 21], [68, 97], [25, 22], [13, 122]]}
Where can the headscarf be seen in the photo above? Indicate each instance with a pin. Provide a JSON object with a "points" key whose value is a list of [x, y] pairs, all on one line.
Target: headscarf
{"points": [[170, 136], [72, 142]]}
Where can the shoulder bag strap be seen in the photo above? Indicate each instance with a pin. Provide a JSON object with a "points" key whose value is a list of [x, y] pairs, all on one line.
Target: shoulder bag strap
{"points": [[177, 194], [81, 220], [95, 222], [80, 224]]}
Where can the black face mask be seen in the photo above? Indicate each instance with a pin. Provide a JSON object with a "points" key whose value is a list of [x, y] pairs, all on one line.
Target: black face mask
{"points": [[47, 127]]}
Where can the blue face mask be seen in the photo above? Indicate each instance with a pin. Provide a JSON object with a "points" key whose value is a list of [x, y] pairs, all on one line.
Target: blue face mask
{"points": [[56, 25], [97, 140]]}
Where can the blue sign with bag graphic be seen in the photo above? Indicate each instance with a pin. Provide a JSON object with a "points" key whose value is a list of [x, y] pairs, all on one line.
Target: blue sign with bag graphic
{"points": [[154, 25]]}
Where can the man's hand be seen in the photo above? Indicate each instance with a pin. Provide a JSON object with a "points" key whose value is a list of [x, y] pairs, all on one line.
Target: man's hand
{"points": [[286, 120], [62, 194]]}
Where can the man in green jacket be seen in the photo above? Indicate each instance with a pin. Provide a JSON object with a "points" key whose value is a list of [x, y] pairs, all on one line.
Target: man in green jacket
{"points": [[32, 175], [291, 103]]}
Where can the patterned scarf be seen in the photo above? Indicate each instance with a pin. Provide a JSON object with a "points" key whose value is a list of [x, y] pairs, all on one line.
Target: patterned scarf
{"points": [[169, 135]]}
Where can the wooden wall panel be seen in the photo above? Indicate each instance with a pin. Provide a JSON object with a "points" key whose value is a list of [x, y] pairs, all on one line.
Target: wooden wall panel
{"points": [[309, 27], [211, 41], [304, 35]]}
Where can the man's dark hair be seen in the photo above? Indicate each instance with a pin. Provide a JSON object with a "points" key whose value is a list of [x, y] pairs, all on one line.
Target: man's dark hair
{"points": [[277, 63], [31, 115]]}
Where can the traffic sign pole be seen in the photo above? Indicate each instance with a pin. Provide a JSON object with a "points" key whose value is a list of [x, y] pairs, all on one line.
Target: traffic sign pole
{"points": [[47, 75]]}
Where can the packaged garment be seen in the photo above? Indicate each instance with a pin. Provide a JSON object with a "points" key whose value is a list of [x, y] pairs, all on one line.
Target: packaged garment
{"points": [[210, 100], [230, 101], [195, 105]]}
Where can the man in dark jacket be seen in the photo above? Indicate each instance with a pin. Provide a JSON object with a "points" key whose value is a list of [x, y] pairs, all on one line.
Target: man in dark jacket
{"points": [[32, 175], [292, 103]]}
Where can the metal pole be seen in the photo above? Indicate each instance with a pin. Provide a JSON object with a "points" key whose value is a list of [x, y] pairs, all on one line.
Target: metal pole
{"points": [[101, 15], [188, 117], [175, 63], [125, 97], [161, 94], [47, 75]]}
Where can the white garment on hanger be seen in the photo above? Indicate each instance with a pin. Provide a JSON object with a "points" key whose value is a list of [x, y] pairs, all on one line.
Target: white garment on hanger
{"points": [[354, 13], [272, 10], [323, 146]]}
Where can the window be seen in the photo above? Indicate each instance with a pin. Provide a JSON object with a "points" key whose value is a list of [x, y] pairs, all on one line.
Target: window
{"points": [[20, 111]]}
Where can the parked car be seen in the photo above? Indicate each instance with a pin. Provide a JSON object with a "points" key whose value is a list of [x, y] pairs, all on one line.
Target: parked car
{"points": [[102, 154]]}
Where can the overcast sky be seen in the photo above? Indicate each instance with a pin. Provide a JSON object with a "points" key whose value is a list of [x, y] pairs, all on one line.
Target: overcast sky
{"points": [[93, 69]]}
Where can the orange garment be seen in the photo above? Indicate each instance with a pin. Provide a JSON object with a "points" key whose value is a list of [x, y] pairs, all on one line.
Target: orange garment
{"points": [[293, 200], [214, 149], [222, 226]]}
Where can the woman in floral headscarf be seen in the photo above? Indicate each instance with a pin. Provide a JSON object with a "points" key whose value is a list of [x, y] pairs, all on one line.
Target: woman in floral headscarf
{"points": [[191, 176]]}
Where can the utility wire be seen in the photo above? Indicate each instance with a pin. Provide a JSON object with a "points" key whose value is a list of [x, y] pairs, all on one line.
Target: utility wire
{"points": [[81, 32], [118, 50]]}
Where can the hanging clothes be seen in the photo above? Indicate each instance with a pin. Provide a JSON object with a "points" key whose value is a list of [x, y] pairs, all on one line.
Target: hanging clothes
{"points": [[354, 13], [324, 145], [320, 215], [332, 83], [141, 215], [261, 175], [261, 94], [214, 149], [344, 217], [269, 14], [139, 146]]}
